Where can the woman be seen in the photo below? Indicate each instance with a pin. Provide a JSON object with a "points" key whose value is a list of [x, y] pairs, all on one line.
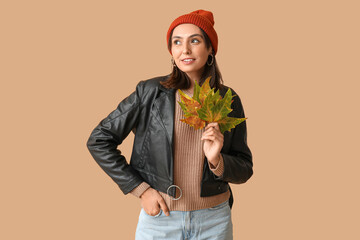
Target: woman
{"points": [[180, 174]]}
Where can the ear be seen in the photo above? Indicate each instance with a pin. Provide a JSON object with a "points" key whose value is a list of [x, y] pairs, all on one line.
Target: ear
{"points": [[210, 50]]}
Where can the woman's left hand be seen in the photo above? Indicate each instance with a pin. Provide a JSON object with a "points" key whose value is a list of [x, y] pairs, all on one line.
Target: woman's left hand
{"points": [[213, 142]]}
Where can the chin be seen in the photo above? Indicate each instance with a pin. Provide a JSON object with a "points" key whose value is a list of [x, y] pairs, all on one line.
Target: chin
{"points": [[190, 70]]}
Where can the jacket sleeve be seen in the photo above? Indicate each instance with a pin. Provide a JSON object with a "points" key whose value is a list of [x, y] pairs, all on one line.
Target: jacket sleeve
{"points": [[110, 133], [238, 165]]}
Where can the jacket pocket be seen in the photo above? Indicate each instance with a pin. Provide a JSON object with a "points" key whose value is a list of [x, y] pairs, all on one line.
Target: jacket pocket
{"points": [[144, 147]]}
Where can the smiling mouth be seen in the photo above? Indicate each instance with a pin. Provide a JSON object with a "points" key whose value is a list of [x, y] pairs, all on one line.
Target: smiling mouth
{"points": [[188, 60]]}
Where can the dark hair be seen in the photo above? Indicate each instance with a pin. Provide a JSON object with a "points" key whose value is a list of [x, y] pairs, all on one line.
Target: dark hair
{"points": [[179, 80]]}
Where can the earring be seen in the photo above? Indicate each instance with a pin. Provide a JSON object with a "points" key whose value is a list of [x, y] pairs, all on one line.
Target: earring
{"points": [[212, 60], [173, 62]]}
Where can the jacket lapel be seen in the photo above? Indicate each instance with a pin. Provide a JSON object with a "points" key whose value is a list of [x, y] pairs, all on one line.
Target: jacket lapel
{"points": [[165, 105]]}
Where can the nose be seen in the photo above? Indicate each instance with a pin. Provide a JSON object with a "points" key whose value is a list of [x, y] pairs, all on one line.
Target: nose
{"points": [[186, 49]]}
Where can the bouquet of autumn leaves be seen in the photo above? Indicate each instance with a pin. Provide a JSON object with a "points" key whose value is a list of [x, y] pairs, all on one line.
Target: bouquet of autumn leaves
{"points": [[208, 106]]}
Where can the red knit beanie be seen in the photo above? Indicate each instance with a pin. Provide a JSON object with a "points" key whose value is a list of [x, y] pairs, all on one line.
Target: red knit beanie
{"points": [[201, 18]]}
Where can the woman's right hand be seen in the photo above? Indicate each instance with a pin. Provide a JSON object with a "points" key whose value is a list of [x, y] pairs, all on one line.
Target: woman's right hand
{"points": [[152, 201]]}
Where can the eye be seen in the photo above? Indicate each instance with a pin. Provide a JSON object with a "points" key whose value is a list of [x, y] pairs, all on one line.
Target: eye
{"points": [[176, 42], [195, 40]]}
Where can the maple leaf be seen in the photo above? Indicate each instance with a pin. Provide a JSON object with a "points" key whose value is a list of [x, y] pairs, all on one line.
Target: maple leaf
{"points": [[190, 108], [208, 106]]}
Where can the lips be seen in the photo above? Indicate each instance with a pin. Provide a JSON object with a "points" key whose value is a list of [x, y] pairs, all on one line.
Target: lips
{"points": [[188, 60]]}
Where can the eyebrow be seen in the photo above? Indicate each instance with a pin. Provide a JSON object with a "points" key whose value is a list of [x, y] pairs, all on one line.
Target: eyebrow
{"points": [[194, 35]]}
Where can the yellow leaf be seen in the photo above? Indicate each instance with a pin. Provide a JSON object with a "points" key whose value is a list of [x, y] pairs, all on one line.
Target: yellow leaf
{"points": [[206, 106]]}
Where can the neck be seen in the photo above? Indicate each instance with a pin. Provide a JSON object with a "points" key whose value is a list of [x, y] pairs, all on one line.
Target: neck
{"points": [[192, 81], [195, 76]]}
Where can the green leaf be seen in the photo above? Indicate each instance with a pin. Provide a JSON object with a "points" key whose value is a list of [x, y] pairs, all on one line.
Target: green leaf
{"points": [[208, 106]]}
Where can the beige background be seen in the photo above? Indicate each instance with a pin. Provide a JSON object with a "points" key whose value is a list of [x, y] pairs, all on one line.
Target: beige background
{"points": [[66, 64]]}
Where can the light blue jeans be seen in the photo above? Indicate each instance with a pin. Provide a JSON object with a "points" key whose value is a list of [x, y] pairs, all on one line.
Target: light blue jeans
{"points": [[210, 223]]}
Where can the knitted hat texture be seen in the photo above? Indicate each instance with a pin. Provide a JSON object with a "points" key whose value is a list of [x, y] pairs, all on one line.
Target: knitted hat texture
{"points": [[201, 18]]}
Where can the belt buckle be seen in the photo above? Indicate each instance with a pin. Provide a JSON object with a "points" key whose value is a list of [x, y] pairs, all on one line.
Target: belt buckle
{"points": [[167, 191]]}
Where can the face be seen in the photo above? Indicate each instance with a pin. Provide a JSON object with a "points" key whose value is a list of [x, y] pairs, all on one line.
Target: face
{"points": [[189, 50]]}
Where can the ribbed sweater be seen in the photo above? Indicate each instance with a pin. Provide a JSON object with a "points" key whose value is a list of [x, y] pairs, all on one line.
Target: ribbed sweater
{"points": [[188, 168]]}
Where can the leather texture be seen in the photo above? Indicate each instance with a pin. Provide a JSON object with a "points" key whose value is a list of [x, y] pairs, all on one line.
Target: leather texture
{"points": [[149, 113]]}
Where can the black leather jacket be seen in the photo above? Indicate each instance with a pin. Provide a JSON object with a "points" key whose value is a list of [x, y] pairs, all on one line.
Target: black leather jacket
{"points": [[149, 113]]}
